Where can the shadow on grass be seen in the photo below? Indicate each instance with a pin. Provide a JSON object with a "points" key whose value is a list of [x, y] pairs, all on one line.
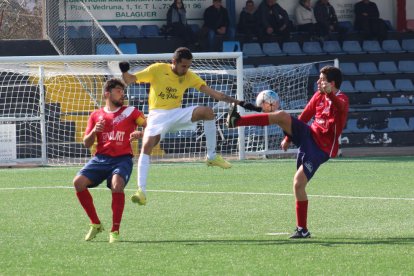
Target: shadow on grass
{"points": [[313, 241]]}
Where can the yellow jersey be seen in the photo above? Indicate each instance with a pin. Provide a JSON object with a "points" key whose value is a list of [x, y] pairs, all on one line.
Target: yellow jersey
{"points": [[167, 88]]}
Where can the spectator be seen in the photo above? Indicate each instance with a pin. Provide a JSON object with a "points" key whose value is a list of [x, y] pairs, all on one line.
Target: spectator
{"points": [[216, 22], [177, 22], [306, 21], [273, 19], [367, 20], [326, 17], [248, 23]]}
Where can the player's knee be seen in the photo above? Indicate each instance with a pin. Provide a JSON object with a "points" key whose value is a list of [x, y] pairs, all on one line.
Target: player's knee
{"points": [[203, 113], [79, 184]]}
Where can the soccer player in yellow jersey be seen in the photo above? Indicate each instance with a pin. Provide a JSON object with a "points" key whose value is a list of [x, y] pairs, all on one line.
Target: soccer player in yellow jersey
{"points": [[168, 82]]}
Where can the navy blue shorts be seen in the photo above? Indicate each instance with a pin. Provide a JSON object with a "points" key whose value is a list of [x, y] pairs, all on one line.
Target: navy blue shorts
{"points": [[102, 167], [309, 153]]}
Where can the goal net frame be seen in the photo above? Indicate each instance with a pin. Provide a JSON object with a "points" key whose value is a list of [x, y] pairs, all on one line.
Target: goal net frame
{"points": [[222, 71]]}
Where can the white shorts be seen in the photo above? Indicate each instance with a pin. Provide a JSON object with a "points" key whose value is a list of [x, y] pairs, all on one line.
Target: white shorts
{"points": [[161, 121]]}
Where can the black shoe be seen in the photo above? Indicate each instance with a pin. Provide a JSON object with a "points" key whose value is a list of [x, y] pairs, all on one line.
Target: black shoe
{"points": [[301, 234], [232, 116]]}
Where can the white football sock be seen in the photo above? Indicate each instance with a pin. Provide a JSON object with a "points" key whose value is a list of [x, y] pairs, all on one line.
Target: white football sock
{"points": [[143, 167], [210, 132]]}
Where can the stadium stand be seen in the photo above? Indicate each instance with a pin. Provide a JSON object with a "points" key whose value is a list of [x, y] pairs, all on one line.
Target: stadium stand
{"points": [[112, 31], [252, 49], [272, 49], [129, 31], [292, 48], [231, 46], [128, 48]]}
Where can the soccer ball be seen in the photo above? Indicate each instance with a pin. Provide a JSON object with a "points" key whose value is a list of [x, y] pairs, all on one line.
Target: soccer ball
{"points": [[268, 100]]}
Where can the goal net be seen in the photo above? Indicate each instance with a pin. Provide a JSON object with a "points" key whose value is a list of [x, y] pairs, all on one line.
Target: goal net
{"points": [[45, 103]]}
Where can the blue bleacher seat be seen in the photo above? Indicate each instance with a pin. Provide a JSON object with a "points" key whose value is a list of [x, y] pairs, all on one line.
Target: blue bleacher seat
{"points": [[252, 49], [372, 46], [347, 87], [408, 45], [352, 47], [112, 31], [312, 48], [128, 48], [379, 101], [392, 46], [248, 66], [349, 68], [150, 30], [384, 86], [364, 86], [105, 49], [406, 66], [400, 100], [292, 49], [368, 68], [231, 46], [405, 85], [129, 31], [85, 31], [71, 31], [272, 49], [332, 47], [352, 127], [398, 124], [411, 123], [388, 67], [325, 63]]}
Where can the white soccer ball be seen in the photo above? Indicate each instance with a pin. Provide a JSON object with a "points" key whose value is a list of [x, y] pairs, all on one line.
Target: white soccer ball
{"points": [[268, 100]]}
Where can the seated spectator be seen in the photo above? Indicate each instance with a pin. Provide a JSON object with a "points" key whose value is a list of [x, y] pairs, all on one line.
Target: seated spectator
{"points": [[367, 20], [216, 22], [273, 20], [177, 23], [248, 23], [306, 21], [326, 17]]}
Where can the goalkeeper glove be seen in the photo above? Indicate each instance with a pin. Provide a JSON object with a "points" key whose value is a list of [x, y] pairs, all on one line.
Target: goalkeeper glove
{"points": [[250, 106], [124, 66]]}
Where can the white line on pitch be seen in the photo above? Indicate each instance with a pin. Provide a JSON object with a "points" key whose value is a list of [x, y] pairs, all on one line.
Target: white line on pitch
{"points": [[219, 193]]}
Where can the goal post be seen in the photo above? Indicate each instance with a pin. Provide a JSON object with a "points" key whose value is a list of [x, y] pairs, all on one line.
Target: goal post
{"points": [[45, 102]]}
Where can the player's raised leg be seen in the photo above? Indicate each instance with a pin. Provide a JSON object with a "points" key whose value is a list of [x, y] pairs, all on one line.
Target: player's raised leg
{"points": [[207, 115]]}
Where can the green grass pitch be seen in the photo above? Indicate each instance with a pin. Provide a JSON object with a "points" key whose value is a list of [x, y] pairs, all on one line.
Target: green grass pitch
{"points": [[209, 221]]}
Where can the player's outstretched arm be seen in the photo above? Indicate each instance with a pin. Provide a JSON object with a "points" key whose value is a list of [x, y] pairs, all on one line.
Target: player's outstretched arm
{"points": [[127, 77]]}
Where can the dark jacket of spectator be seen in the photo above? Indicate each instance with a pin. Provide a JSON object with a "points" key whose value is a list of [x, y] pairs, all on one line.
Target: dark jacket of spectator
{"points": [[248, 23], [325, 15], [367, 20], [215, 18], [177, 23], [273, 19]]}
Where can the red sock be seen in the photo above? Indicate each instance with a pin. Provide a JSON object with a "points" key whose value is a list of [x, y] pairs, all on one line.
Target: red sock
{"points": [[86, 201], [118, 203], [253, 120], [301, 213]]}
